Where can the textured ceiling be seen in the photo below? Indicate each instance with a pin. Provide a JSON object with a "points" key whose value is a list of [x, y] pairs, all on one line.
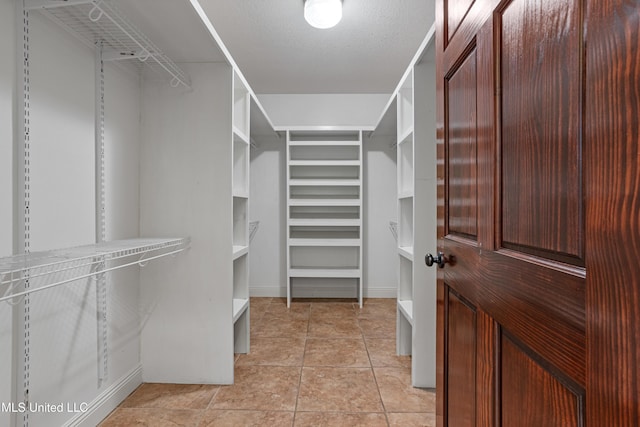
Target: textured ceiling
{"points": [[279, 53]]}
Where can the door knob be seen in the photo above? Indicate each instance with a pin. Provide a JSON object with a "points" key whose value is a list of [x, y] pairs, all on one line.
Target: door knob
{"points": [[440, 260]]}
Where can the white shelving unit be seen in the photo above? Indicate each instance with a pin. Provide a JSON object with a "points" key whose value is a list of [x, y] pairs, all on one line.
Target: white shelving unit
{"points": [[324, 208], [241, 234], [405, 180]]}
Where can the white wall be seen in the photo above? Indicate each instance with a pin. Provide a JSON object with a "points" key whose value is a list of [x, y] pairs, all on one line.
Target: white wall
{"points": [[323, 109], [267, 263], [186, 159], [380, 207], [7, 91]]}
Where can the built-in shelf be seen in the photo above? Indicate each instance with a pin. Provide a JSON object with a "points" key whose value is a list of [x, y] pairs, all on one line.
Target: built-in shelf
{"points": [[324, 143], [329, 222], [406, 136], [325, 272], [324, 182], [239, 135], [324, 207], [406, 251], [406, 309], [240, 305], [324, 242], [53, 268], [324, 202], [324, 163], [406, 194], [239, 251]]}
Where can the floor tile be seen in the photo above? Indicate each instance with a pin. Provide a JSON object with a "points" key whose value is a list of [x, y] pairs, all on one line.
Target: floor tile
{"points": [[397, 393], [341, 352], [412, 420], [338, 389], [378, 308], [334, 327], [296, 311], [382, 352], [332, 309], [260, 388], [275, 326], [274, 352], [152, 417], [227, 418], [171, 396], [378, 327], [339, 419]]}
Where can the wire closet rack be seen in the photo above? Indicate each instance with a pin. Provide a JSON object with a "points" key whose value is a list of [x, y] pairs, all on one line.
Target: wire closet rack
{"points": [[99, 23]]}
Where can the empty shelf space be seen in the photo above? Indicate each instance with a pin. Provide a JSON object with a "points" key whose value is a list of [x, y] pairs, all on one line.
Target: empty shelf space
{"points": [[324, 202], [240, 305], [406, 251], [405, 307], [406, 135], [240, 136], [324, 182], [239, 251], [323, 143], [325, 242], [325, 272], [324, 163], [329, 222]]}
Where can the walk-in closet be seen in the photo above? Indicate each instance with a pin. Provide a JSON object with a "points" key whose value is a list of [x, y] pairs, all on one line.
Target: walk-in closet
{"points": [[153, 200]]}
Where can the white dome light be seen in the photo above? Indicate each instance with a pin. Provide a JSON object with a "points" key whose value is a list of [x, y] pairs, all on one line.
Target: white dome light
{"points": [[323, 13]]}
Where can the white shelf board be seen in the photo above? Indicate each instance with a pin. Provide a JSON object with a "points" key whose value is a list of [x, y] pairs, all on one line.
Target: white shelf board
{"points": [[238, 135], [325, 272], [406, 308], [73, 263], [241, 194], [406, 251], [324, 202], [324, 163], [240, 305], [321, 128], [324, 143], [406, 136], [324, 242], [239, 251], [324, 222], [406, 194], [324, 182]]}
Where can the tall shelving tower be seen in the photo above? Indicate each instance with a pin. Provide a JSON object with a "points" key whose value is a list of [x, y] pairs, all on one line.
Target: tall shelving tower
{"points": [[324, 211]]}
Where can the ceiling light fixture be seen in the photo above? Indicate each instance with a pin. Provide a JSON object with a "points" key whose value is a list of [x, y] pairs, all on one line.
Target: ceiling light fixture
{"points": [[323, 13]]}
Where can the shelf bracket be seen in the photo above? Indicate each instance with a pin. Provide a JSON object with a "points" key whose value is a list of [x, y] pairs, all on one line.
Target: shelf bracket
{"points": [[121, 54]]}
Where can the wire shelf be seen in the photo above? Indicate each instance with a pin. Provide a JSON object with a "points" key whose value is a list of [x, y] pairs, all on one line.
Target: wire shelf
{"points": [[98, 22], [48, 269]]}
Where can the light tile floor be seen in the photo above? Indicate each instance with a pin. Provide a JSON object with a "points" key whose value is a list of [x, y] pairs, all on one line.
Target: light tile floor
{"points": [[318, 363]]}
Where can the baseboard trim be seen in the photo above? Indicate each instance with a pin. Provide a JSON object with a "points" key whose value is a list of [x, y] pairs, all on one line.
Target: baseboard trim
{"points": [[108, 400], [281, 292]]}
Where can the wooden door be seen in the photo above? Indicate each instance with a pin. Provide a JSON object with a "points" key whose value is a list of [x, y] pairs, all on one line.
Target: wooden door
{"points": [[525, 104]]}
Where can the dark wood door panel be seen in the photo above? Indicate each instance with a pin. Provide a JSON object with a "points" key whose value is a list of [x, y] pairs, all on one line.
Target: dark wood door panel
{"points": [[531, 395], [455, 11], [461, 362], [462, 148], [543, 307], [541, 109]]}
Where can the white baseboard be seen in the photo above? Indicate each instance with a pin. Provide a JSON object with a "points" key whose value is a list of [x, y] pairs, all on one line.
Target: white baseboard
{"points": [[281, 292], [108, 400]]}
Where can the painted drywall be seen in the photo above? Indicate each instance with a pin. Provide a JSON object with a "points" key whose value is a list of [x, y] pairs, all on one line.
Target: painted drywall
{"points": [[267, 264], [323, 109], [7, 91], [186, 187], [379, 205]]}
